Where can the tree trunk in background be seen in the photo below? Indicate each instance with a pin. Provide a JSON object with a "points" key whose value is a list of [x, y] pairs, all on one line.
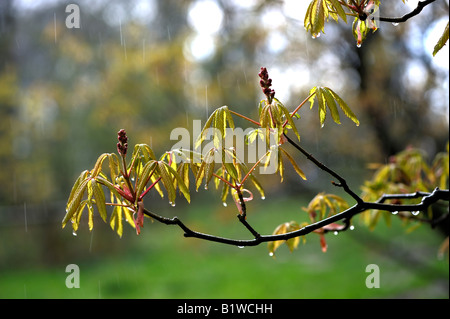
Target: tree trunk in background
{"points": [[8, 95]]}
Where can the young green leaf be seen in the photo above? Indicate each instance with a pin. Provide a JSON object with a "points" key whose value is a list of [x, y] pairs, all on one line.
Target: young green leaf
{"points": [[142, 179], [327, 97], [91, 215], [166, 180], [337, 7], [344, 107], [285, 228], [258, 186], [442, 41], [280, 168], [315, 17], [322, 203], [116, 220], [218, 122], [74, 204], [292, 243], [142, 154], [273, 245], [284, 112], [231, 164], [75, 219], [180, 182], [99, 197], [78, 181], [98, 165], [253, 135], [209, 166], [183, 172], [294, 164], [322, 106], [114, 166], [199, 174], [225, 191]]}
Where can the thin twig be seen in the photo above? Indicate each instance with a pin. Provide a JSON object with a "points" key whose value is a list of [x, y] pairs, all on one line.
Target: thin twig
{"points": [[345, 216], [416, 11], [299, 107], [342, 182], [245, 117]]}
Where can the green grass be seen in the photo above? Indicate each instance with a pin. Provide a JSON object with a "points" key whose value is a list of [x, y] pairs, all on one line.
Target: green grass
{"points": [[161, 263]]}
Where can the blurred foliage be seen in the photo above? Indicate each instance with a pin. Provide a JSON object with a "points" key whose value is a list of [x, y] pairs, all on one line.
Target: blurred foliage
{"points": [[407, 173]]}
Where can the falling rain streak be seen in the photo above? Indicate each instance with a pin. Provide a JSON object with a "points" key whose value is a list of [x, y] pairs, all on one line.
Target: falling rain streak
{"points": [[90, 243], [54, 24], [143, 50], [25, 216], [122, 40], [206, 100], [120, 31]]}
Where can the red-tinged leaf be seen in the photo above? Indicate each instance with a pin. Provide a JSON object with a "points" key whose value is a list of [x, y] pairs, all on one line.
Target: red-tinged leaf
{"points": [[139, 221], [333, 227], [323, 243]]}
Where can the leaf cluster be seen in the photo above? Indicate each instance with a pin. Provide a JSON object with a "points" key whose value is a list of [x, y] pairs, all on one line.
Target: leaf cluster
{"points": [[124, 194], [365, 18], [320, 11], [128, 184], [407, 172], [326, 97], [320, 207]]}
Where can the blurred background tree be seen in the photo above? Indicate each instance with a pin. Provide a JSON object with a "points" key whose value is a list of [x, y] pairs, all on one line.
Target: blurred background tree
{"points": [[151, 66]]}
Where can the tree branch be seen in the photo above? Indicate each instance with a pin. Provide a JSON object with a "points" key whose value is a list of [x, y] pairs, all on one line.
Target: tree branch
{"points": [[427, 200], [344, 216], [416, 11]]}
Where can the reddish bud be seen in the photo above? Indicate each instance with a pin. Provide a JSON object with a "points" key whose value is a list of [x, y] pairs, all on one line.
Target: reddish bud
{"points": [[122, 146], [265, 84]]}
